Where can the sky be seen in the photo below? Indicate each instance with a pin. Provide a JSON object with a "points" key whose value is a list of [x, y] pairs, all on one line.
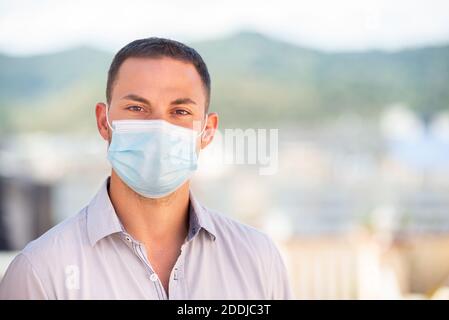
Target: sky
{"points": [[30, 27]]}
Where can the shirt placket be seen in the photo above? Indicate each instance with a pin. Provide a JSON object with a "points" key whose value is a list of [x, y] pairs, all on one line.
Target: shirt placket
{"points": [[138, 250], [176, 281]]}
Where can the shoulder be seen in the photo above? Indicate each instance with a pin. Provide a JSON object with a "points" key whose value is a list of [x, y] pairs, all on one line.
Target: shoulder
{"points": [[33, 272], [62, 239], [246, 238], [253, 249]]}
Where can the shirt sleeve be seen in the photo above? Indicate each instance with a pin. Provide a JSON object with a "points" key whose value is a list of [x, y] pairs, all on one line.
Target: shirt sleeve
{"points": [[21, 281], [281, 289]]}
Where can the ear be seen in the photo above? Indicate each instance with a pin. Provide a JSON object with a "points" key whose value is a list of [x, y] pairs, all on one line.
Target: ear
{"points": [[209, 130], [102, 124]]}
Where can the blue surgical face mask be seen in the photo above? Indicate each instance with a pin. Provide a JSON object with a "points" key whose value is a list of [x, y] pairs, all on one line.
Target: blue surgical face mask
{"points": [[153, 157]]}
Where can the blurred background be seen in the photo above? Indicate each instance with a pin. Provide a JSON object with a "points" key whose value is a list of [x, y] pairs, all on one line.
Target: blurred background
{"points": [[359, 91]]}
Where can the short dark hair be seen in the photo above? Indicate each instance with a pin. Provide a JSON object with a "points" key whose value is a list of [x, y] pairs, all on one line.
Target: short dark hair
{"points": [[158, 48]]}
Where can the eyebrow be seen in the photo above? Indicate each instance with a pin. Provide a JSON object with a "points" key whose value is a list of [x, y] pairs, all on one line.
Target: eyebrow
{"points": [[182, 101], [136, 97]]}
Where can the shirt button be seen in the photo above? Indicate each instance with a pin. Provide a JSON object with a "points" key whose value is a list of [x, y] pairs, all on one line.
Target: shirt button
{"points": [[128, 239], [153, 277]]}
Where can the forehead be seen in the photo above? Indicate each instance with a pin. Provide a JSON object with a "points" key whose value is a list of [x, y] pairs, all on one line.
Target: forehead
{"points": [[155, 76]]}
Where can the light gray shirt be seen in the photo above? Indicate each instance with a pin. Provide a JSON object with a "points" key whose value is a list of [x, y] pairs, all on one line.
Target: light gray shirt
{"points": [[91, 256]]}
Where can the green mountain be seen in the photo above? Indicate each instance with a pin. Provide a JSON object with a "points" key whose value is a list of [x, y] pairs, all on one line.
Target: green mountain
{"points": [[256, 80]]}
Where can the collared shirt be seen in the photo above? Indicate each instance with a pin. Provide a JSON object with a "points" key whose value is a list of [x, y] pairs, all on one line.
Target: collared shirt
{"points": [[91, 256]]}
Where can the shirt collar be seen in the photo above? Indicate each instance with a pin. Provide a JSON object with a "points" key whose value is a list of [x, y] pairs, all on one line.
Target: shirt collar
{"points": [[101, 217], [200, 218], [103, 221]]}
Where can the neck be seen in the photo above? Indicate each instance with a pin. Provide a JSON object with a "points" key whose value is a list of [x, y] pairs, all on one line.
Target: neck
{"points": [[162, 221]]}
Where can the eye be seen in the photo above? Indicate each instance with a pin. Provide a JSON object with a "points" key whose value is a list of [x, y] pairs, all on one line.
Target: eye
{"points": [[181, 112], [135, 108]]}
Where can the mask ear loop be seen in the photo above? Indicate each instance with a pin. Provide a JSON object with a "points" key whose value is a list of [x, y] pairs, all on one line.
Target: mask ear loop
{"points": [[204, 127], [107, 117]]}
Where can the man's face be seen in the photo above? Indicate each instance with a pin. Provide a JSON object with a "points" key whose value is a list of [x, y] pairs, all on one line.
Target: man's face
{"points": [[163, 88]]}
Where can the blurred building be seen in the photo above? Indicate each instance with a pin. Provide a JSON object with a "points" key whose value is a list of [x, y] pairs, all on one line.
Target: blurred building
{"points": [[25, 211], [360, 266]]}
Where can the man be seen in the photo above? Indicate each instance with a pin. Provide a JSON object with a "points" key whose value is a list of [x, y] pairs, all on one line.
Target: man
{"points": [[144, 235]]}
